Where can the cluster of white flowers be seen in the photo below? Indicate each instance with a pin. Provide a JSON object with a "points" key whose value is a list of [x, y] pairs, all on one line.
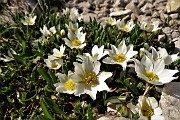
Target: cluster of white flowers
{"points": [[87, 77], [127, 27], [76, 38], [55, 60]]}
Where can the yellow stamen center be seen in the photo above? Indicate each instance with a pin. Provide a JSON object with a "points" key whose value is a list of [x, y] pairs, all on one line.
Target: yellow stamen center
{"points": [[30, 22], [54, 65], [147, 27], [126, 29], [76, 42], [155, 59], [73, 29], [147, 110], [89, 79], [70, 85], [152, 76], [119, 58]]}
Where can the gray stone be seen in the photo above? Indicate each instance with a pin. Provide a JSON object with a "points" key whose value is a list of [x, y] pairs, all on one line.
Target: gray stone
{"points": [[164, 17], [133, 8], [167, 30], [144, 18], [121, 12], [170, 101], [155, 14], [174, 16], [173, 6], [141, 3], [175, 34], [147, 6]]}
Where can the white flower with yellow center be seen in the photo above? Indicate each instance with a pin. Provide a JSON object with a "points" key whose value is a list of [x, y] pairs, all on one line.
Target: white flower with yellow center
{"points": [[91, 79], [76, 40], [147, 108], [58, 54], [127, 27], [47, 32], [67, 84], [66, 11], [53, 64], [111, 21], [153, 72], [162, 55], [96, 54], [120, 55], [29, 20], [150, 27], [73, 27]]}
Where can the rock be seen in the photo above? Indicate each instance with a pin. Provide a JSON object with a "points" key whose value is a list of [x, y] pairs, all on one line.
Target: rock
{"points": [[170, 101], [177, 45], [163, 17], [175, 34], [84, 5], [161, 38], [173, 6], [120, 13], [147, 6], [110, 117], [167, 30], [155, 15], [174, 16], [141, 3], [133, 8], [144, 18]]}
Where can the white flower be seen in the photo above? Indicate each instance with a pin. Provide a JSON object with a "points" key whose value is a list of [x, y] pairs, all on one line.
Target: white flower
{"points": [[67, 84], [66, 11], [62, 32], [111, 21], [96, 54], [10, 57], [150, 27], [127, 27], [76, 40], [162, 55], [90, 78], [29, 20], [73, 27], [58, 54], [153, 72], [120, 55], [47, 32], [147, 107], [53, 63], [74, 15]]}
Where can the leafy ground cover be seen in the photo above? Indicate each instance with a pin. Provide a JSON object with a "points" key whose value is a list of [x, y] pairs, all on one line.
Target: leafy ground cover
{"points": [[56, 66]]}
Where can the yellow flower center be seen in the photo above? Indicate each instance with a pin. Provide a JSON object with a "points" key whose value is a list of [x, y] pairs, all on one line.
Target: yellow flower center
{"points": [[54, 65], [76, 42], [157, 58], [152, 76], [70, 85], [119, 58], [147, 27], [89, 79], [147, 110], [73, 29], [30, 22], [126, 29]]}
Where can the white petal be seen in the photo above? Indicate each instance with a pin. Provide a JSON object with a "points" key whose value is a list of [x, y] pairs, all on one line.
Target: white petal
{"points": [[139, 68], [157, 117], [166, 75], [153, 102], [147, 63], [79, 89], [132, 108], [92, 93], [158, 111], [104, 75], [102, 86], [122, 47], [96, 68], [159, 66], [78, 68], [87, 65]]}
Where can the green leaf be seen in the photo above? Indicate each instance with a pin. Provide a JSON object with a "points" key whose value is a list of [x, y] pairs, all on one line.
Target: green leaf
{"points": [[53, 77], [90, 113], [54, 106], [44, 74], [45, 110]]}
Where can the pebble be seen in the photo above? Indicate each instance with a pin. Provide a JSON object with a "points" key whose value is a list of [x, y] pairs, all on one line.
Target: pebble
{"points": [[174, 16], [121, 12]]}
